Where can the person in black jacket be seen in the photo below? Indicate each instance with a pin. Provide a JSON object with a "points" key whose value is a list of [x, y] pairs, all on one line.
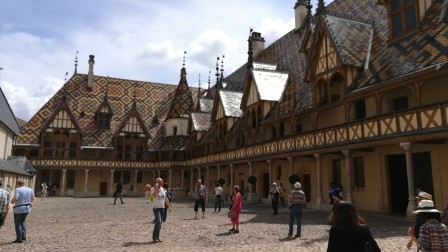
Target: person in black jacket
{"points": [[118, 189], [348, 231]]}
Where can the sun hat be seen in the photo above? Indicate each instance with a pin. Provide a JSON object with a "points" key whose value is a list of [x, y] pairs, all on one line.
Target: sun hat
{"points": [[297, 185], [424, 195], [426, 206], [274, 184]]}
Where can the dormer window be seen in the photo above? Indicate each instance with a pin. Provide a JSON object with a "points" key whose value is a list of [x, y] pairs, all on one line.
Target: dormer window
{"points": [[174, 130], [103, 117], [403, 16]]}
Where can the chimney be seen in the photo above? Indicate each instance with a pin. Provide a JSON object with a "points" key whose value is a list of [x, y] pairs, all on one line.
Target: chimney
{"points": [[90, 74], [257, 43], [300, 12]]}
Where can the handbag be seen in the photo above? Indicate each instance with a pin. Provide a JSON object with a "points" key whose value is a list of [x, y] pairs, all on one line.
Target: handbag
{"points": [[231, 213]]}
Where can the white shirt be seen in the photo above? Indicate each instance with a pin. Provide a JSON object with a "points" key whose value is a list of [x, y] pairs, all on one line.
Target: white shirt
{"points": [[218, 190], [159, 201]]}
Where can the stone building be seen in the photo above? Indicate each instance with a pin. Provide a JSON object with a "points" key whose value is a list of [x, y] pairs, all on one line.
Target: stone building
{"points": [[355, 94]]}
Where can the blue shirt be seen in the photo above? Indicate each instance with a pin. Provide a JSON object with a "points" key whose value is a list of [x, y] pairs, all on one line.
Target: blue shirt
{"points": [[24, 197]]}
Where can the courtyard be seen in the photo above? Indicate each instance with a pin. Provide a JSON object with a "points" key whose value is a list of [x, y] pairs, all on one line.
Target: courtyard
{"points": [[95, 224]]}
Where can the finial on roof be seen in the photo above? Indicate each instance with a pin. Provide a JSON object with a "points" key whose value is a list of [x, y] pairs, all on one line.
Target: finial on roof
{"points": [[222, 71], [76, 63], [209, 73], [250, 51], [64, 94], [135, 94], [199, 84], [217, 72], [107, 87], [199, 95], [183, 63], [320, 8]]}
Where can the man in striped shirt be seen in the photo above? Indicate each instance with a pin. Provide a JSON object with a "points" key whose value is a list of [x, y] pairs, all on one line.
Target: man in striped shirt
{"points": [[5, 199], [296, 200]]}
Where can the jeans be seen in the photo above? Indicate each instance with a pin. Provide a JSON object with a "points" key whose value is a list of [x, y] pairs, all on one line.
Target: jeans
{"points": [[218, 202], [158, 214], [275, 205], [19, 222], [296, 212]]}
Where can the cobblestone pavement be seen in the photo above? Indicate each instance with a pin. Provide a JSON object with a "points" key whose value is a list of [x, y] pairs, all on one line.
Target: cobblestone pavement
{"points": [[95, 224]]}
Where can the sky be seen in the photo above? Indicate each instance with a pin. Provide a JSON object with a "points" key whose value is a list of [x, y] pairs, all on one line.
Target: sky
{"points": [[142, 40]]}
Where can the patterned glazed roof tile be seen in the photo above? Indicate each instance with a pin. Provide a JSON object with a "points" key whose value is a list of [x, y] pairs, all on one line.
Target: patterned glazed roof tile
{"points": [[182, 103], [150, 98], [231, 103], [175, 143], [352, 39], [201, 121]]}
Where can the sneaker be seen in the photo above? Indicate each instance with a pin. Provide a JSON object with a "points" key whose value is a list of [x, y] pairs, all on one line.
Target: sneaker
{"points": [[158, 240], [23, 238], [297, 236], [231, 230], [17, 241], [236, 232]]}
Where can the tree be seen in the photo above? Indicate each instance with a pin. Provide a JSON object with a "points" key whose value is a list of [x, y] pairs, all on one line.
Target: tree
{"points": [[294, 178], [221, 181]]}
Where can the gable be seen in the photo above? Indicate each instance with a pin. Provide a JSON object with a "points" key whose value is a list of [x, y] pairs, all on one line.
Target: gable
{"points": [[219, 111], [326, 57], [62, 120], [132, 125], [252, 94]]}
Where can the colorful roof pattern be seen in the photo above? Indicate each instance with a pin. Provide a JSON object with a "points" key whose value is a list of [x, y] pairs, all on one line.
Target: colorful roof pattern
{"points": [[182, 103], [150, 102]]}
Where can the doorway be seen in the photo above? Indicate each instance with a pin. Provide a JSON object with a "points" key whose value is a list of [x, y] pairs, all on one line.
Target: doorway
{"points": [[103, 188], [306, 186], [398, 184], [265, 186]]}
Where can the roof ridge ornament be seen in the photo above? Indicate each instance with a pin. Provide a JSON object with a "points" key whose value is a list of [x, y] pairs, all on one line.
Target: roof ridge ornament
{"points": [[321, 8], [76, 63]]}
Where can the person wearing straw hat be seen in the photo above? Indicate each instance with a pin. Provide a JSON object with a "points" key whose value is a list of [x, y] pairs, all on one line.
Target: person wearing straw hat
{"points": [[414, 232], [433, 234], [296, 200]]}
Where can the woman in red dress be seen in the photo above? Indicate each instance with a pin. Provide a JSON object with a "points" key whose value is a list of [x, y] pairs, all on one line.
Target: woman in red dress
{"points": [[237, 205]]}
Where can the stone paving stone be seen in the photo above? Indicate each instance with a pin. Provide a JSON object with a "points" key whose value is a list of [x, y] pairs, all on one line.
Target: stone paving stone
{"points": [[95, 224]]}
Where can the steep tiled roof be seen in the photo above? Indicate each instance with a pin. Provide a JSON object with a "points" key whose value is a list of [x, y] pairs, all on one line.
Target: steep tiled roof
{"points": [[269, 83], [352, 39], [206, 105], [17, 165], [182, 103], [231, 103], [236, 80], [175, 143], [6, 115], [201, 121], [150, 99]]}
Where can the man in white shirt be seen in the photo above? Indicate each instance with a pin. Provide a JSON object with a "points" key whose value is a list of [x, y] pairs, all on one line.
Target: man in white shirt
{"points": [[218, 194], [159, 202]]}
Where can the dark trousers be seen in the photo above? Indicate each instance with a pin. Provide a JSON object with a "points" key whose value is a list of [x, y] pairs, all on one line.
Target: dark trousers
{"points": [[275, 206], [118, 195], [19, 222], [197, 202], [218, 202], [165, 213]]}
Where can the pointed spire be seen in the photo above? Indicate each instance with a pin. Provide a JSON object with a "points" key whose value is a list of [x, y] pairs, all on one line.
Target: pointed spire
{"points": [[199, 94], [183, 63], [107, 87], [222, 72], [217, 73], [309, 6], [209, 73], [76, 63], [183, 71], [321, 8], [64, 95], [250, 51]]}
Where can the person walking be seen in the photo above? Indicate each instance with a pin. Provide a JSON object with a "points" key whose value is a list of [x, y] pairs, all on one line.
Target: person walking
{"points": [[419, 220], [433, 234], [348, 231], [159, 203], [296, 200], [282, 194], [5, 199], [148, 193], [201, 198], [170, 198], [118, 190], [275, 195], [23, 197], [218, 193], [43, 192], [237, 206]]}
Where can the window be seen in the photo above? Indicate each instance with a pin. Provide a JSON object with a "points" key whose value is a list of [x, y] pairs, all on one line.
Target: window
{"points": [[103, 117], [403, 15], [274, 132], [299, 128], [174, 130], [282, 129], [360, 109], [126, 177], [139, 177], [71, 179], [400, 103], [336, 170], [359, 171], [279, 172]]}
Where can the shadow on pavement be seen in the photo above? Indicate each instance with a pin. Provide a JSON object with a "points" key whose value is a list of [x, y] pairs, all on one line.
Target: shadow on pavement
{"points": [[129, 244], [227, 233]]}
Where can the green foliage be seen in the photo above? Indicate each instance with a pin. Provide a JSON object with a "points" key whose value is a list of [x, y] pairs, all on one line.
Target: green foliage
{"points": [[252, 180], [294, 178]]}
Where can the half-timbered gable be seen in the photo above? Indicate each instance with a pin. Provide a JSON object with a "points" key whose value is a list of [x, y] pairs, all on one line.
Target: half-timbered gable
{"points": [[103, 115]]}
